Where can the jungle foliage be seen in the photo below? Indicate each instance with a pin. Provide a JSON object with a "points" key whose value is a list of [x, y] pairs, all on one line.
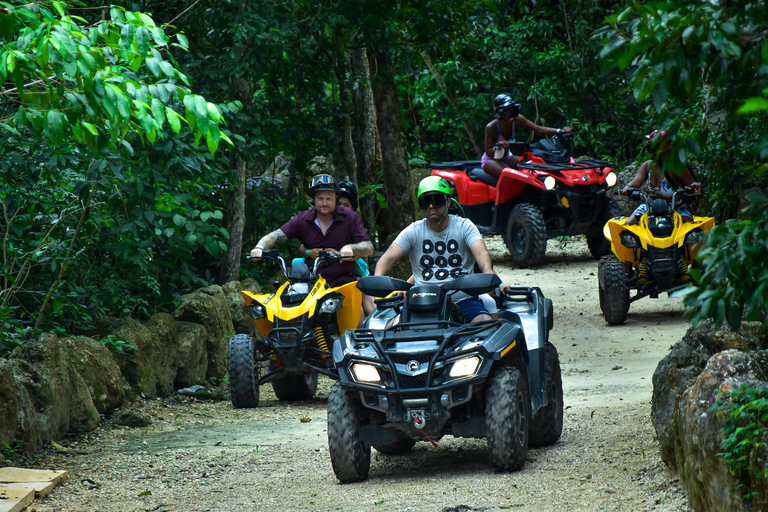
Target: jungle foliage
{"points": [[115, 178]]}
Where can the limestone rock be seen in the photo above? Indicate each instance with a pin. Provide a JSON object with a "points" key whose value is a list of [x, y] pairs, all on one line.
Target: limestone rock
{"points": [[53, 398], [209, 307], [95, 364], [193, 358], [131, 419], [9, 405], [677, 371], [241, 319], [704, 475], [137, 366], [165, 351]]}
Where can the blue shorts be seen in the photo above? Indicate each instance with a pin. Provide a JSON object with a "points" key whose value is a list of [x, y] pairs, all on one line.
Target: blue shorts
{"points": [[472, 307]]}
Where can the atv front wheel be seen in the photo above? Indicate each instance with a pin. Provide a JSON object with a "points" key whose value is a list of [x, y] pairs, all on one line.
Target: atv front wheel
{"points": [[598, 245], [526, 235], [507, 411], [350, 457], [612, 279], [547, 423], [398, 447], [295, 388], [243, 368]]}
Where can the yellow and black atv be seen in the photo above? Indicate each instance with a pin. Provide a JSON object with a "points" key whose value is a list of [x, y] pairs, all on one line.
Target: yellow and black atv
{"points": [[299, 323], [650, 257]]}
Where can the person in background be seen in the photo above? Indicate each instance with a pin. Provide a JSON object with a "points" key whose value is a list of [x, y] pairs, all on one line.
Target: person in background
{"points": [[502, 130], [441, 246], [649, 174], [348, 198], [324, 228]]}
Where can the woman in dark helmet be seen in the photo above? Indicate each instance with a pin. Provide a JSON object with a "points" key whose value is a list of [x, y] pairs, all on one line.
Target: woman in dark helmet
{"points": [[502, 130]]}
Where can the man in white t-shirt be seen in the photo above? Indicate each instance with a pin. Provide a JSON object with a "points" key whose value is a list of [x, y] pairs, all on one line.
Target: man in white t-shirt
{"points": [[441, 246]]}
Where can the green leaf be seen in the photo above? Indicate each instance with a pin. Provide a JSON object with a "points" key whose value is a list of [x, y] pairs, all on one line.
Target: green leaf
{"points": [[59, 8], [167, 69], [754, 104], [126, 36], [182, 40], [88, 126], [7, 26], [212, 139], [213, 112], [158, 112], [179, 220], [55, 125], [142, 40], [173, 119], [154, 66]]}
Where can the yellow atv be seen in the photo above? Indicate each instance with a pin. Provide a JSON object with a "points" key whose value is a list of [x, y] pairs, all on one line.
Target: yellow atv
{"points": [[299, 323], [649, 257]]}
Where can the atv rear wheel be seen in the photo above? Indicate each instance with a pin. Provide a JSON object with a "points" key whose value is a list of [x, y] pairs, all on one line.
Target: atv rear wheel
{"points": [[243, 368], [295, 388], [598, 245], [507, 414], [398, 447], [350, 457], [526, 235], [612, 280], [547, 423]]}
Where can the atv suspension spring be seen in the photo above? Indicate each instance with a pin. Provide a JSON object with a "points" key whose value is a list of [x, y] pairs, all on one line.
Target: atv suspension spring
{"points": [[642, 273], [684, 270], [321, 343]]}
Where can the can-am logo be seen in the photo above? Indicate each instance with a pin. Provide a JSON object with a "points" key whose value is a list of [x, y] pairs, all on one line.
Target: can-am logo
{"points": [[423, 294], [412, 365]]}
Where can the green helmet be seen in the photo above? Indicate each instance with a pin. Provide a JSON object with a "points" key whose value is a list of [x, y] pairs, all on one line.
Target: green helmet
{"points": [[433, 185]]}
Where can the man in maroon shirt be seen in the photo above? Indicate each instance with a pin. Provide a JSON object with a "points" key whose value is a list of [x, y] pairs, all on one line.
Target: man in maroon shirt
{"points": [[325, 227]]}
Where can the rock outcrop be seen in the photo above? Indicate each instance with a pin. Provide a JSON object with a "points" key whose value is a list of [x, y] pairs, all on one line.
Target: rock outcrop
{"points": [[708, 364], [209, 307], [95, 364], [193, 358]]}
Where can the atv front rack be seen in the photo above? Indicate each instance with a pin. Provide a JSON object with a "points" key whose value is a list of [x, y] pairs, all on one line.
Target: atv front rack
{"points": [[582, 165]]}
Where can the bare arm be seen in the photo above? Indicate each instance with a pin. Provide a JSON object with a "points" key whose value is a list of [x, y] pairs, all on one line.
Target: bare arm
{"points": [[388, 260], [524, 122], [490, 139], [267, 242], [640, 176], [358, 250], [483, 259]]}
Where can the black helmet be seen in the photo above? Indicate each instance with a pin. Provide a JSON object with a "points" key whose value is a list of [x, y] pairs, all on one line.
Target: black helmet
{"points": [[349, 190], [323, 182], [505, 101]]}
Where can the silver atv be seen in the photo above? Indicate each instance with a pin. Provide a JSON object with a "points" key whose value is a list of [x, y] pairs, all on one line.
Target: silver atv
{"points": [[417, 372]]}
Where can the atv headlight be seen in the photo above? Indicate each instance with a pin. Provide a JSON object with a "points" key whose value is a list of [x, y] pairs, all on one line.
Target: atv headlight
{"points": [[629, 240], [331, 305], [257, 311], [611, 179], [365, 372], [694, 237], [464, 367], [549, 182]]}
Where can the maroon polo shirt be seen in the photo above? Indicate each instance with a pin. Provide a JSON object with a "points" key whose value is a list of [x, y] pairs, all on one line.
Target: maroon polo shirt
{"points": [[346, 228]]}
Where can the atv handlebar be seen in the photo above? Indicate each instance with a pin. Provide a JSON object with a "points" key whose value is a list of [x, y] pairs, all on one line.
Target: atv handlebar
{"points": [[274, 254]]}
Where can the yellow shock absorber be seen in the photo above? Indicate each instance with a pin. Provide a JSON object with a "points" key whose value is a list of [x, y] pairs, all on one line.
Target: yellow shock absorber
{"points": [[642, 273], [320, 338], [684, 270]]}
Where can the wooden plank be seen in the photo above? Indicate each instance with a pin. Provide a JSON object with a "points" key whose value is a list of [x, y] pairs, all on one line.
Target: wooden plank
{"points": [[15, 500], [41, 489], [31, 475]]}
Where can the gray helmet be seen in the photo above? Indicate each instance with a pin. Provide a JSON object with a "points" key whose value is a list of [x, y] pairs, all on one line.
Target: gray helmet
{"points": [[505, 101]]}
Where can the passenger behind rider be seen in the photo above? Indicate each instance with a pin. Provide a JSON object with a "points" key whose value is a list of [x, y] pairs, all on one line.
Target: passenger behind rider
{"points": [[441, 246], [325, 228], [502, 130], [348, 198], [649, 175]]}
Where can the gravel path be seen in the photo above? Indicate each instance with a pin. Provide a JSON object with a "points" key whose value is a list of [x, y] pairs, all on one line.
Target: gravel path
{"points": [[207, 456]]}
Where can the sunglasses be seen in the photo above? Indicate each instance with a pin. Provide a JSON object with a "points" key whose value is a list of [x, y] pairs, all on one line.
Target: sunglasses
{"points": [[436, 200]]}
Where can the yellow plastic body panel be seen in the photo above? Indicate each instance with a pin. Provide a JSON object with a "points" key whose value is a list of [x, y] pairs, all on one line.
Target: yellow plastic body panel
{"points": [[614, 227], [348, 317]]}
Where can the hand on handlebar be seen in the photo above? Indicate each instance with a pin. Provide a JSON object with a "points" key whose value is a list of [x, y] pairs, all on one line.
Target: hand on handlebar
{"points": [[504, 288], [256, 252]]}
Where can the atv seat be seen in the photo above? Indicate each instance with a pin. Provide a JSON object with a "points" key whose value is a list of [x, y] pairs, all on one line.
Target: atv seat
{"points": [[426, 302], [478, 174]]}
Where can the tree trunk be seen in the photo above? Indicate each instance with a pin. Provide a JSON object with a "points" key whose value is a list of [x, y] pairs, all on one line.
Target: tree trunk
{"points": [[235, 223], [364, 136], [394, 157], [347, 160]]}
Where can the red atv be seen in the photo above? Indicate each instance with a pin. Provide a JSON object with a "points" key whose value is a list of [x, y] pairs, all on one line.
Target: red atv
{"points": [[548, 195]]}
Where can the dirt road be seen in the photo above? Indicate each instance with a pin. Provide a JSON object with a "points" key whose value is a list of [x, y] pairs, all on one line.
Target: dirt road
{"points": [[207, 456]]}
